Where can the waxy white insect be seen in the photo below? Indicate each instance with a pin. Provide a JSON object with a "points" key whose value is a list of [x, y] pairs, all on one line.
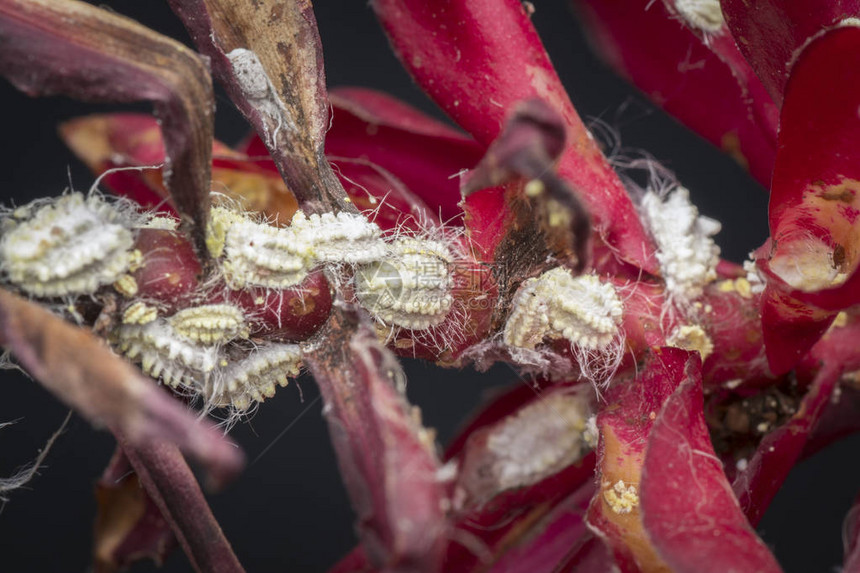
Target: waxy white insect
{"points": [[703, 15], [210, 324], [258, 254], [257, 376], [524, 448], [68, 246], [410, 287], [686, 252], [583, 310], [163, 354]]}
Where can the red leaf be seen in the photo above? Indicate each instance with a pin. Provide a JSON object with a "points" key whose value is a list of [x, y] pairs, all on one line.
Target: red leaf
{"points": [[734, 327], [689, 512], [682, 72], [383, 197], [789, 328], [553, 539], [625, 423], [423, 153], [455, 51], [777, 453], [814, 208], [770, 33]]}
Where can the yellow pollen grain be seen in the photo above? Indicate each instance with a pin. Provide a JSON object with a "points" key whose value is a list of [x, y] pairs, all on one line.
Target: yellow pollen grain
{"points": [[621, 498], [126, 286]]}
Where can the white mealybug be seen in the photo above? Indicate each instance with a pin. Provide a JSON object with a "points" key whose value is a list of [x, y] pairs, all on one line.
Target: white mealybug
{"points": [[139, 313], [342, 238], [210, 324], [258, 254], [163, 354], [687, 254], [522, 449], [582, 309], [704, 15], [256, 377], [67, 246], [410, 286]]}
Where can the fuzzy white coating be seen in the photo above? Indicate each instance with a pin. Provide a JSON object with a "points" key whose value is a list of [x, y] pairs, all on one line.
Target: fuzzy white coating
{"points": [[686, 251], [71, 245], [524, 448], [236, 379], [341, 238], [583, 309], [410, 286]]}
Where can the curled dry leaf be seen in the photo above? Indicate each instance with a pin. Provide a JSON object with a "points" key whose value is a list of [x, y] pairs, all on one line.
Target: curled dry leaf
{"points": [[82, 372], [76, 49], [268, 56]]}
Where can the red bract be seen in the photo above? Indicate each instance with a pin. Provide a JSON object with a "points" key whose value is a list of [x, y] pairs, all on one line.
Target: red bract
{"points": [[671, 392], [719, 97]]}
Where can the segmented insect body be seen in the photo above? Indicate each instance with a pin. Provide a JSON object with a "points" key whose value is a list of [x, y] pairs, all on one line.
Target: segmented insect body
{"points": [[582, 309], [522, 449], [341, 238], [255, 377], [410, 287], [258, 254], [163, 354], [66, 247], [210, 324]]}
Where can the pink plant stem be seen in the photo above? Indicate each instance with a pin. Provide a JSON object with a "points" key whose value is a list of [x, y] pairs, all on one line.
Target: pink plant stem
{"points": [[172, 486], [386, 457]]}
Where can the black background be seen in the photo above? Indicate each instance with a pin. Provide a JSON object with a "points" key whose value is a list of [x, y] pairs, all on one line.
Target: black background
{"points": [[289, 511]]}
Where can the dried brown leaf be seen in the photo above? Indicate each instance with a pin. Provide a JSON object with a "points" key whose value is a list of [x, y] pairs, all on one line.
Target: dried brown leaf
{"points": [[268, 55], [74, 48]]}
